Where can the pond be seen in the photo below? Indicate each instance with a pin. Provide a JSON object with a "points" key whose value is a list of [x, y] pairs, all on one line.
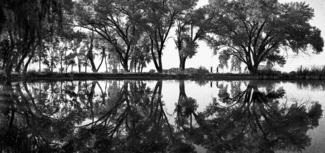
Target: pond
{"points": [[162, 116]]}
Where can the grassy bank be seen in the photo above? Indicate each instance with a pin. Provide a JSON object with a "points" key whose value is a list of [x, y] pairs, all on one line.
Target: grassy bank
{"points": [[142, 76], [313, 73]]}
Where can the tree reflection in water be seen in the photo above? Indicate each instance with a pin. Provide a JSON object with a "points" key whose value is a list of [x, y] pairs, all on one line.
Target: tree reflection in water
{"points": [[254, 121], [128, 116]]}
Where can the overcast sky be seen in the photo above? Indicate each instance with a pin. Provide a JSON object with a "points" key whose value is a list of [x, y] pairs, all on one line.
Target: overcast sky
{"points": [[205, 57]]}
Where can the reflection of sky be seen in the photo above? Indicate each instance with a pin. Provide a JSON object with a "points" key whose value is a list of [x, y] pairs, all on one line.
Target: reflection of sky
{"points": [[204, 94], [317, 134]]}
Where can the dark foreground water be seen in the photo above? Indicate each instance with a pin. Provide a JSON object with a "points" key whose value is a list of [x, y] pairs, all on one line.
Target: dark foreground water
{"points": [[162, 116]]}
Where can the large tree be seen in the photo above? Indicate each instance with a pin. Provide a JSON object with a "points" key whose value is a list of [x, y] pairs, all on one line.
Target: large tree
{"points": [[116, 21], [191, 27], [24, 25], [252, 32], [159, 17]]}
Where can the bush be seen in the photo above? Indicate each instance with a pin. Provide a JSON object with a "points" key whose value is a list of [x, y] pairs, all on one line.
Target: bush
{"points": [[31, 73], [314, 70], [114, 70], [47, 70], [202, 70], [152, 71]]}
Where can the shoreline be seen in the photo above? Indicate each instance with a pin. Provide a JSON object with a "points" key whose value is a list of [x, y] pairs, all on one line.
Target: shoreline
{"points": [[158, 76]]}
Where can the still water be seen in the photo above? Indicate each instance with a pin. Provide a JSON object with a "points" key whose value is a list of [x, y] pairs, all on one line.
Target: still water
{"points": [[162, 116]]}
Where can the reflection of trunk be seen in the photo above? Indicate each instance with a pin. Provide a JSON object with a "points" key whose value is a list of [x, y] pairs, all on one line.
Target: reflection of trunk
{"points": [[24, 100], [103, 93], [79, 87], [91, 96], [182, 94], [37, 111], [104, 119], [253, 95], [156, 97], [8, 101]]}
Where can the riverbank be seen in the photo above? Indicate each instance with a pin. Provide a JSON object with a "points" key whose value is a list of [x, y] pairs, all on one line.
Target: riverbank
{"points": [[157, 76]]}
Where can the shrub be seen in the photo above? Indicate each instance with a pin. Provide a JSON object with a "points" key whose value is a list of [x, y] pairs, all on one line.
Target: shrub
{"points": [[31, 73], [202, 70], [114, 70], [152, 71], [314, 70]]}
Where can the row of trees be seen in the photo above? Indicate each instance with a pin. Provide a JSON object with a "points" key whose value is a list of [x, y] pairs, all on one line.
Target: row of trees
{"points": [[135, 32]]}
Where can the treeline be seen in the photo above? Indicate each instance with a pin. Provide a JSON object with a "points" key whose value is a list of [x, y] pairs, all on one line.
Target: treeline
{"points": [[131, 33]]}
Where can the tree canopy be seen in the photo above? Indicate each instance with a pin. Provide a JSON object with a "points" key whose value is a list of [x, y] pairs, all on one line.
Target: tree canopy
{"points": [[136, 32], [252, 31]]}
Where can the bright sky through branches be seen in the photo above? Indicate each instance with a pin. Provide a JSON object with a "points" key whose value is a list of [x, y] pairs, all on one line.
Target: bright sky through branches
{"points": [[205, 56]]}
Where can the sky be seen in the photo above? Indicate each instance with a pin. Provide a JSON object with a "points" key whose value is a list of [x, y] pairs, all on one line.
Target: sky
{"points": [[205, 57]]}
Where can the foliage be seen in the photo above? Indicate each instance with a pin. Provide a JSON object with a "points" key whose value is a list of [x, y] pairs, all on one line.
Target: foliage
{"points": [[158, 19], [134, 32], [254, 31], [314, 70], [186, 38], [202, 70], [114, 21]]}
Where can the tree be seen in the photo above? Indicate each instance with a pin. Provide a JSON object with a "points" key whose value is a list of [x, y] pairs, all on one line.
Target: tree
{"points": [[158, 19], [141, 55], [190, 27], [91, 56], [24, 25], [116, 21], [53, 52], [252, 32], [72, 40]]}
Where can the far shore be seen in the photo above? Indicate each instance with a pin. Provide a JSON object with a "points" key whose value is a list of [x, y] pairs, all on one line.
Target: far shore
{"points": [[161, 76]]}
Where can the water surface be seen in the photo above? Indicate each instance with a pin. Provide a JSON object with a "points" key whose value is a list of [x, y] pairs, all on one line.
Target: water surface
{"points": [[162, 116]]}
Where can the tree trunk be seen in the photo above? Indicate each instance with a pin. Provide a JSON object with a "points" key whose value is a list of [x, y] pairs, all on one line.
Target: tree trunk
{"points": [[154, 58], [27, 63], [106, 65], [125, 65], [90, 55], [182, 63], [86, 66], [52, 64], [61, 64], [253, 69], [79, 65], [21, 60], [103, 57], [91, 59], [160, 70], [40, 59]]}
